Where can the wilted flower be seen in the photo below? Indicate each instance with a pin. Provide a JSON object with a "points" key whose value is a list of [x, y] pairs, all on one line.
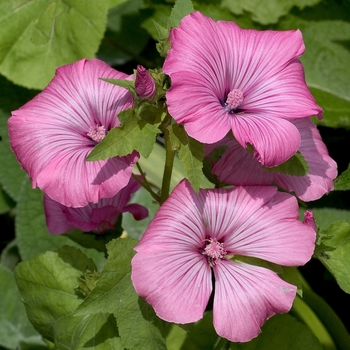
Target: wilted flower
{"points": [[53, 134], [144, 84], [224, 78], [96, 217], [194, 235], [238, 167]]}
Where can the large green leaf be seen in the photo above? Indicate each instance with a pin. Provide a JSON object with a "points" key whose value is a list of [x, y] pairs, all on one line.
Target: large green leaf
{"points": [[139, 328], [39, 35], [94, 332], [333, 252], [47, 284], [325, 30], [268, 11], [282, 332], [15, 328]]}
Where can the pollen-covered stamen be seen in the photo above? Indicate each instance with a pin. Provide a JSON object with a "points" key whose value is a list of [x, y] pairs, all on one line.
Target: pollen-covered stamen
{"points": [[234, 100], [97, 133], [214, 250]]}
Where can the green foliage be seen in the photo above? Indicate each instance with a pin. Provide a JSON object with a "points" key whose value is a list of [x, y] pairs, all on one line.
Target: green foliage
{"points": [[114, 293], [38, 36], [190, 152], [266, 12], [342, 182], [333, 252], [295, 165], [15, 330]]}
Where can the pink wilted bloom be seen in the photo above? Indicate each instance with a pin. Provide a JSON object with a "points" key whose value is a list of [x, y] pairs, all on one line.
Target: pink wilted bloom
{"points": [[193, 235], [96, 217], [224, 78], [53, 134], [144, 84], [238, 167]]}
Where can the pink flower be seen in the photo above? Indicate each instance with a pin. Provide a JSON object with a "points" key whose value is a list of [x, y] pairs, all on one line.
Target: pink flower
{"points": [[238, 167], [53, 134], [96, 217], [193, 235], [224, 78], [144, 84]]}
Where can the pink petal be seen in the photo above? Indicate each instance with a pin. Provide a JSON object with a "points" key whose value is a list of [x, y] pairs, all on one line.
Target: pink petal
{"points": [[322, 168], [263, 65], [176, 283], [245, 297], [273, 233], [257, 130], [49, 134]]}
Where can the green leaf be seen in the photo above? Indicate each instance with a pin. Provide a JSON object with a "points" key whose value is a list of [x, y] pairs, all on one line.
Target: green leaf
{"points": [[268, 11], [325, 30], [98, 332], [181, 9], [190, 152], [342, 182], [138, 326], [334, 252], [134, 134], [282, 332], [31, 232], [47, 285], [127, 84], [15, 328], [38, 36], [296, 165]]}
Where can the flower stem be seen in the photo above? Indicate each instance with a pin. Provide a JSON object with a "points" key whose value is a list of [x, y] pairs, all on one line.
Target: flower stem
{"points": [[169, 163], [145, 184]]}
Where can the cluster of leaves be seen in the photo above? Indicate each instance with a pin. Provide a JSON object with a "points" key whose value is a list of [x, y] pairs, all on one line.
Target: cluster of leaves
{"points": [[77, 294]]}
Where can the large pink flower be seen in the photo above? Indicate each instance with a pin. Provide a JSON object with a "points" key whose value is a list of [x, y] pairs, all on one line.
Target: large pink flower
{"points": [[193, 235], [238, 167], [251, 82], [96, 217], [53, 134]]}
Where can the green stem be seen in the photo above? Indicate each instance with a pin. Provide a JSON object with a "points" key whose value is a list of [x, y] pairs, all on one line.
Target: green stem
{"points": [[168, 167], [221, 344], [145, 184]]}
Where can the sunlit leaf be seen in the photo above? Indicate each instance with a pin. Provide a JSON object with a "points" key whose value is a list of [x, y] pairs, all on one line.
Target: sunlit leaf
{"points": [[334, 252], [342, 182], [39, 35]]}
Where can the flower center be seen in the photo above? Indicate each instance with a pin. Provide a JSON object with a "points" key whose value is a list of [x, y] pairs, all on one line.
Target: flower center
{"points": [[234, 100], [214, 250], [97, 133]]}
